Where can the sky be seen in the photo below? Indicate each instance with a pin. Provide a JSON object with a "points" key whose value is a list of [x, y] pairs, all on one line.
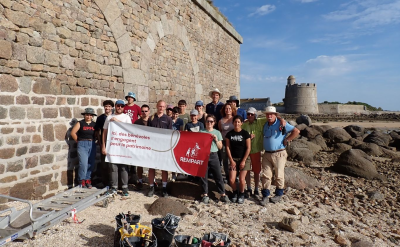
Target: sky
{"points": [[350, 49]]}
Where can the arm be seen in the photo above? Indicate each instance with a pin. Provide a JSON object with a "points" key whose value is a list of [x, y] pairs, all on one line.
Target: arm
{"points": [[283, 122], [293, 134], [219, 125], [228, 152], [246, 154], [98, 137], [74, 131], [103, 143]]}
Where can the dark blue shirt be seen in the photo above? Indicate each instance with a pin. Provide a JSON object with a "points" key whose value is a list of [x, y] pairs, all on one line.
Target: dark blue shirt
{"points": [[241, 112], [194, 127], [163, 122], [178, 124], [215, 110]]}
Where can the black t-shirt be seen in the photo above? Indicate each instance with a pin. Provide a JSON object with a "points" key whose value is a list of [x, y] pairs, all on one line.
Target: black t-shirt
{"points": [[237, 141], [86, 131], [100, 122]]}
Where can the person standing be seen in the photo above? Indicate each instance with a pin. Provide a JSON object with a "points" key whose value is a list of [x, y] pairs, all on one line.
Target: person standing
{"points": [[213, 162], [84, 134], [131, 109], [239, 111], [225, 125], [118, 116], [276, 139], [177, 123], [199, 106], [144, 118], [194, 125], [215, 106], [159, 120], [238, 147], [182, 112], [102, 170]]}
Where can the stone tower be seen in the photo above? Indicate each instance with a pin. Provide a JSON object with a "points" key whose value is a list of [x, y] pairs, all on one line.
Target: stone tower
{"points": [[300, 98]]}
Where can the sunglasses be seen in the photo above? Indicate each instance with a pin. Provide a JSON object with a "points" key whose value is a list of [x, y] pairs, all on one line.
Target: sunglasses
{"points": [[119, 105], [144, 111], [250, 114], [209, 121]]}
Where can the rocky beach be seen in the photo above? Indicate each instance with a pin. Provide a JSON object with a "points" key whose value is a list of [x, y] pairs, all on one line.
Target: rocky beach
{"points": [[342, 181]]}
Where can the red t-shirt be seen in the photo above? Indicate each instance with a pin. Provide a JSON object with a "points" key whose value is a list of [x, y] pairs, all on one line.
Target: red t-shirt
{"points": [[132, 111]]}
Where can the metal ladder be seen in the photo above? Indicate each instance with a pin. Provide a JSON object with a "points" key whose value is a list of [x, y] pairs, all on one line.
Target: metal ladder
{"points": [[33, 219]]}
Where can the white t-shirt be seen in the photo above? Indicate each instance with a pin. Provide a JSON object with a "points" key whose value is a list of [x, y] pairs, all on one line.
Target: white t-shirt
{"points": [[121, 117]]}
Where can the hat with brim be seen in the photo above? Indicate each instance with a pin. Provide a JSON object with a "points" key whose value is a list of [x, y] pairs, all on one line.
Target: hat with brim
{"points": [[233, 98], [120, 102], [252, 110], [89, 111], [270, 109], [132, 95], [215, 91]]}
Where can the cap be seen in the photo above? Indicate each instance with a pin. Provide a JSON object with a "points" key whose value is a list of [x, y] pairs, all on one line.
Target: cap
{"points": [[252, 110], [120, 102], [132, 95], [199, 103], [194, 112], [170, 106], [89, 111]]}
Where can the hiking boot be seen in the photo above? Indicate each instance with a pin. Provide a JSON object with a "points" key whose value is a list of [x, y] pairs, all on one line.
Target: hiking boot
{"points": [[83, 184], [234, 197], [89, 184], [241, 198], [164, 192], [247, 193], [205, 199], [125, 192], [173, 179], [256, 193], [139, 186], [275, 199], [151, 192], [224, 199], [264, 201]]}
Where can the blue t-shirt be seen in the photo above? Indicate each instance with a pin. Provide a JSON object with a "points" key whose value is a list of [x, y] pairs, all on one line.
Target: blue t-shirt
{"points": [[273, 138], [194, 127], [177, 125], [241, 112]]}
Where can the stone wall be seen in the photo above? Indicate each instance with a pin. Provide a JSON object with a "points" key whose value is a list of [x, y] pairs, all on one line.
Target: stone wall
{"points": [[341, 109], [58, 57], [300, 98]]}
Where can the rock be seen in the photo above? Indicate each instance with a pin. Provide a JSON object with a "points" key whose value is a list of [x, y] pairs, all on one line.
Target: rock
{"points": [[340, 240], [389, 153], [297, 179], [301, 126], [320, 141], [304, 119], [355, 130], [289, 224], [371, 149], [163, 206], [356, 162], [354, 142], [293, 123], [302, 150], [379, 235], [341, 147], [305, 220], [309, 132], [376, 195], [293, 211], [322, 128], [337, 135], [378, 138], [362, 243]]}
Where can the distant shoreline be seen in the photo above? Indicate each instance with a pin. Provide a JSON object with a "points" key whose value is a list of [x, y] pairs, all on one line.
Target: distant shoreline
{"points": [[365, 124]]}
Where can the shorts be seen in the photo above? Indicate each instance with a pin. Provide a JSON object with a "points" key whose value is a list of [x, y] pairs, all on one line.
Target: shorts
{"points": [[247, 165]]}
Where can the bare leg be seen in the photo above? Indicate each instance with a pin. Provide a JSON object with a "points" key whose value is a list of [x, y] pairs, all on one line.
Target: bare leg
{"points": [[151, 176], [232, 179], [242, 176]]}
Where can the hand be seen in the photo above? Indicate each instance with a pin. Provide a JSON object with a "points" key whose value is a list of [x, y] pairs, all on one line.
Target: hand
{"points": [[242, 164], [103, 151], [233, 164], [114, 119], [286, 142], [252, 136], [215, 138]]}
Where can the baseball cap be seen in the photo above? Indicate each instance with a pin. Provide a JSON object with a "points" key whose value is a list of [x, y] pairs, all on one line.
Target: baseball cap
{"points": [[194, 112]]}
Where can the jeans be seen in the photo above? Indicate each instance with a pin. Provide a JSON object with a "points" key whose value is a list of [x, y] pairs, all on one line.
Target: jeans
{"points": [[87, 156], [215, 169]]}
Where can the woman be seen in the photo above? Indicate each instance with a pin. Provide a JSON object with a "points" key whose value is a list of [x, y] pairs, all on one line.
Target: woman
{"points": [[213, 162], [199, 106], [238, 145], [83, 133], [225, 125]]}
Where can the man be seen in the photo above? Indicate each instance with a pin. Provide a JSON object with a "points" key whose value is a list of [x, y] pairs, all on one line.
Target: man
{"points": [[169, 110], [159, 120], [215, 106], [102, 170], [144, 118], [276, 140], [118, 116], [133, 111], [182, 112], [235, 102], [194, 125]]}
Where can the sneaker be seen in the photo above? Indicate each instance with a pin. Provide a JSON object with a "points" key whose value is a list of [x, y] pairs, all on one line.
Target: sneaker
{"points": [[125, 192], [164, 192], [247, 193], [264, 201], [89, 184], [224, 199], [173, 179], [139, 186], [241, 198], [256, 193], [234, 197], [275, 199], [151, 192], [205, 199], [83, 184]]}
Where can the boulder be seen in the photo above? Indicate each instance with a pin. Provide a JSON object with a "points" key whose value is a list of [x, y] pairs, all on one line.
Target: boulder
{"points": [[355, 130], [295, 178], [290, 224], [371, 149], [304, 119], [302, 150], [395, 140], [341, 147], [379, 138], [357, 163], [310, 133], [337, 135], [322, 128], [293, 123], [390, 154], [320, 141], [301, 126], [354, 142]]}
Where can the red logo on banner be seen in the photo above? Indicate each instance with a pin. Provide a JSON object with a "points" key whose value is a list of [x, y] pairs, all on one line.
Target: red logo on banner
{"points": [[192, 152]]}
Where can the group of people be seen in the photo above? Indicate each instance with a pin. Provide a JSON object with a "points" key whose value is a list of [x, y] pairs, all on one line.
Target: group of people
{"points": [[239, 138]]}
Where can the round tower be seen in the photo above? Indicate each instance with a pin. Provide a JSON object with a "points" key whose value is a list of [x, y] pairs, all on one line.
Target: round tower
{"points": [[300, 98]]}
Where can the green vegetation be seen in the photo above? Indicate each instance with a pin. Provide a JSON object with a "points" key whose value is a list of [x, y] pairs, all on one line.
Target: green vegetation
{"points": [[369, 107], [218, 11]]}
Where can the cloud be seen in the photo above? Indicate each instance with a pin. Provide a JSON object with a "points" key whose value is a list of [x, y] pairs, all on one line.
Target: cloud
{"points": [[307, 1], [264, 42], [368, 13], [263, 10]]}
